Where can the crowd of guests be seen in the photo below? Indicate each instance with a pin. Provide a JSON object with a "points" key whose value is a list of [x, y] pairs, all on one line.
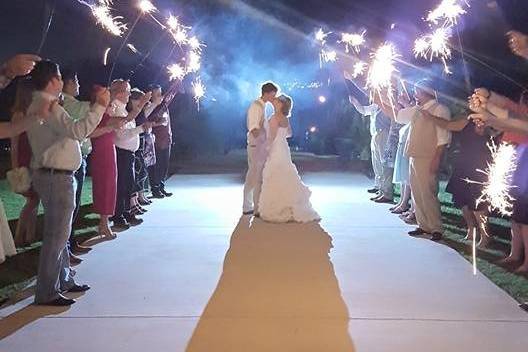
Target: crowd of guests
{"points": [[409, 140], [122, 135]]}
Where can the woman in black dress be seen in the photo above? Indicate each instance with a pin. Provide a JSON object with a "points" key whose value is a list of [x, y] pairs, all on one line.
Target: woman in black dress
{"points": [[466, 181]]}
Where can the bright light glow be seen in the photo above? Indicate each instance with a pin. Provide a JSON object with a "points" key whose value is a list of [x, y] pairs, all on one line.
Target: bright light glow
{"points": [[435, 45], [112, 24], [322, 99], [173, 22], [329, 56], [313, 129], [176, 71], [195, 44], [497, 189], [354, 40], [359, 69], [132, 48], [320, 35], [382, 70], [147, 6], [449, 10], [194, 62], [199, 91]]}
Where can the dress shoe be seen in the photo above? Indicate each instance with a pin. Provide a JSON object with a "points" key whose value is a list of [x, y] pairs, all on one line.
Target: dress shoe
{"points": [[157, 195], [524, 306], [249, 212], [132, 220], [74, 260], [79, 288], [77, 249], [165, 193], [144, 202], [417, 232], [373, 190], [61, 301], [136, 210], [383, 200], [378, 195], [120, 224], [436, 236]]}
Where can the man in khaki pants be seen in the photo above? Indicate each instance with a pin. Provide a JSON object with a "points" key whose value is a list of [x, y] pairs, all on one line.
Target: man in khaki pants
{"points": [[425, 147], [257, 148]]}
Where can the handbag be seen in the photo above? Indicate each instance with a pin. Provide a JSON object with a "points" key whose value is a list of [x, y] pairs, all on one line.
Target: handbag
{"points": [[19, 180]]}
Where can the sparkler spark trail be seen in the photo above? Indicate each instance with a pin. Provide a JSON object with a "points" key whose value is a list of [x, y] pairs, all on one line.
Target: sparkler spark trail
{"points": [[199, 91], [329, 56], [449, 10], [147, 6], [194, 62], [435, 45], [320, 36], [173, 22], [382, 70], [105, 56], [101, 12], [354, 40], [195, 44], [497, 189], [359, 69], [176, 72], [133, 48]]}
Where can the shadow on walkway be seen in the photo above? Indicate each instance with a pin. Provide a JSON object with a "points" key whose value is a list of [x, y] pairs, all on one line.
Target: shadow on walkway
{"points": [[278, 292]]}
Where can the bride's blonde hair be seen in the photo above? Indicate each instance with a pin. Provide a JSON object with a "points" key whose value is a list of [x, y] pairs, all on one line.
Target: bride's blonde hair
{"points": [[287, 104]]}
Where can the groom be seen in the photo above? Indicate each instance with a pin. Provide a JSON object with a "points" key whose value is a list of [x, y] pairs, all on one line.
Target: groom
{"points": [[256, 148]]}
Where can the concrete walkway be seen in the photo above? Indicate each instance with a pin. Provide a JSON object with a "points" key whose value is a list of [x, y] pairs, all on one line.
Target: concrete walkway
{"points": [[197, 277]]}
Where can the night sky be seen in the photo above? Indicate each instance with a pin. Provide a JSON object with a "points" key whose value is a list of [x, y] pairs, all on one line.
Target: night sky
{"points": [[255, 40]]}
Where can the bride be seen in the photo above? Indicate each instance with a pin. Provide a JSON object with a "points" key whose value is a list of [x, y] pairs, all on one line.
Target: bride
{"points": [[284, 196]]}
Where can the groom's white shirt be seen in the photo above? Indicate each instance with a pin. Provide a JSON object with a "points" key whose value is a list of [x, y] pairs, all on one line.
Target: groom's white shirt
{"points": [[255, 120]]}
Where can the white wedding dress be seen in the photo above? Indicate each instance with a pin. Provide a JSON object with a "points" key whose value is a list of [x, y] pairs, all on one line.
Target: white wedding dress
{"points": [[284, 197]]}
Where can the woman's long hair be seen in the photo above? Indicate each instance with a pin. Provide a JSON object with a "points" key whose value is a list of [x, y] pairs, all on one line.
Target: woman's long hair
{"points": [[23, 96]]}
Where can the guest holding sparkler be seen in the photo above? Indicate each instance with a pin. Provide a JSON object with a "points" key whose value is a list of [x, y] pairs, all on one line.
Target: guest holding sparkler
{"points": [[127, 143], [466, 182], [425, 147], [163, 142], [405, 113], [77, 111], [103, 164], [379, 131], [56, 156], [19, 65]]}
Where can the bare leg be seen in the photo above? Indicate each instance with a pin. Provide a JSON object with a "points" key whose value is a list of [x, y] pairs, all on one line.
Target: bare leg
{"points": [[482, 225], [517, 245], [403, 205], [26, 225], [104, 227], [523, 269], [471, 222]]}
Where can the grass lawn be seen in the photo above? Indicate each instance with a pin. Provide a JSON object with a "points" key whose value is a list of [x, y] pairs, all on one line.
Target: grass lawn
{"points": [[19, 271]]}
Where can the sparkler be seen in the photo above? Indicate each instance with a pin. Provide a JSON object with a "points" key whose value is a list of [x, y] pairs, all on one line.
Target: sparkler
{"points": [[199, 91], [194, 62], [354, 40], [434, 45], [320, 36], [381, 71], [449, 10], [329, 56], [497, 188], [176, 72], [359, 69], [195, 44], [132, 48], [101, 12], [145, 7]]}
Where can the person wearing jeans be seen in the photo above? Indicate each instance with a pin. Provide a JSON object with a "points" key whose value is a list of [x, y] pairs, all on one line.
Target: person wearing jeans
{"points": [[55, 143]]}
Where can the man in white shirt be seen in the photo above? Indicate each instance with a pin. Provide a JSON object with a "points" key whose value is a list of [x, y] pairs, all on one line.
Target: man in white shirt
{"points": [[425, 146], [256, 148], [56, 156]]}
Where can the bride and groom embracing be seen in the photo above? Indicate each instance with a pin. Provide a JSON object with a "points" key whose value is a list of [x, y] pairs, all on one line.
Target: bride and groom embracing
{"points": [[273, 189]]}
